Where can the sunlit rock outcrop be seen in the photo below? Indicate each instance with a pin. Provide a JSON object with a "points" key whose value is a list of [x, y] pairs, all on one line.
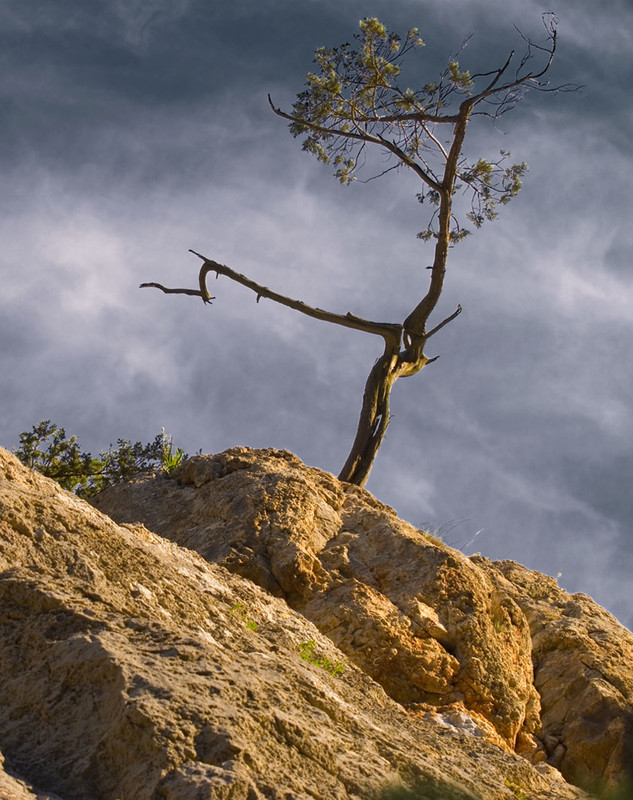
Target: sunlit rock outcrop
{"points": [[316, 646]]}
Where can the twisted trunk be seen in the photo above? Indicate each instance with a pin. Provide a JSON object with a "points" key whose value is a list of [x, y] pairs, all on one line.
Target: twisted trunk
{"points": [[374, 415], [373, 422]]}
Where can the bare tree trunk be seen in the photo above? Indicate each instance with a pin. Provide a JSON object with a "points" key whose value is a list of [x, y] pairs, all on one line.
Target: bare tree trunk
{"points": [[374, 418], [374, 414]]}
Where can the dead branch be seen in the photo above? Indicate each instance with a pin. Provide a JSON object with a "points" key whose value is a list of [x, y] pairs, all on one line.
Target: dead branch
{"points": [[390, 332]]}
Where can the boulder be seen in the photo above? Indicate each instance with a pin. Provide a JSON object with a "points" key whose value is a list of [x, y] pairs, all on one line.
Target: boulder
{"points": [[435, 629]]}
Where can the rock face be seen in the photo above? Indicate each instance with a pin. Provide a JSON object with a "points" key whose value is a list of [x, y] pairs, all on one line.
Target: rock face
{"points": [[547, 674], [583, 665], [415, 615], [314, 647]]}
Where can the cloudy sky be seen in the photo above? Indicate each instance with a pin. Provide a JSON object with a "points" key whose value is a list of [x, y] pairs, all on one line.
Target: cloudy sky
{"points": [[133, 130]]}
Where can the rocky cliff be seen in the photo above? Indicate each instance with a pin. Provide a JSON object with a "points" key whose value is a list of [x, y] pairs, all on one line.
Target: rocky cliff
{"points": [[293, 640]]}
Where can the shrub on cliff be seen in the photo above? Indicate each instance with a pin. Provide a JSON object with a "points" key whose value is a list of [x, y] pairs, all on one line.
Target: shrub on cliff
{"points": [[47, 449]]}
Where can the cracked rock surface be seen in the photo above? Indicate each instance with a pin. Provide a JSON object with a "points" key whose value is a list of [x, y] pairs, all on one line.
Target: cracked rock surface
{"points": [[135, 668], [435, 629]]}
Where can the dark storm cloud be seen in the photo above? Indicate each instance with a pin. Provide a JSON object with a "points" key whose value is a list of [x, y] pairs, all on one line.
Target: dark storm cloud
{"points": [[73, 72], [77, 80]]}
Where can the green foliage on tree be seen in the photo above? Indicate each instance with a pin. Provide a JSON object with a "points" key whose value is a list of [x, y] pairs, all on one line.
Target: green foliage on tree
{"points": [[47, 449], [354, 99]]}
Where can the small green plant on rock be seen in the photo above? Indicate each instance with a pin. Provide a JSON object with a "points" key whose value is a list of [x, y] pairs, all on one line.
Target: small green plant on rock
{"points": [[517, 791], [240, 609], [307, 653], [170, 457], [537, 590], [501, 623]]}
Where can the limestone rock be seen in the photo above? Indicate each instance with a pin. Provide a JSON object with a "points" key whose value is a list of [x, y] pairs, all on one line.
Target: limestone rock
{"points": [[133, 668], [411, 612], [434, 628], [583, 671]]}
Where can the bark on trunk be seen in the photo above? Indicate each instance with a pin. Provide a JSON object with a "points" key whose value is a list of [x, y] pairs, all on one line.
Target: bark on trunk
{"points": [[374, 414], [374, 418]]}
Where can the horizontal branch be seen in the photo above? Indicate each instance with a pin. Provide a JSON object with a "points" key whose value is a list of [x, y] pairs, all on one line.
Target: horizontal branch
{"points": [[365, 137], [416, 116], [390, 332]]}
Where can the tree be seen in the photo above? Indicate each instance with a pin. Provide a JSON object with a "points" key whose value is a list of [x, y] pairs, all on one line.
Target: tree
{"points": [[352, 102], [46, 449]]}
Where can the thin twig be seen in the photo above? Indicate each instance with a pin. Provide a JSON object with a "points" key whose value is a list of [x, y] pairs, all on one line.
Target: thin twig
{"points": [[444, 322], [193, 292]]}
